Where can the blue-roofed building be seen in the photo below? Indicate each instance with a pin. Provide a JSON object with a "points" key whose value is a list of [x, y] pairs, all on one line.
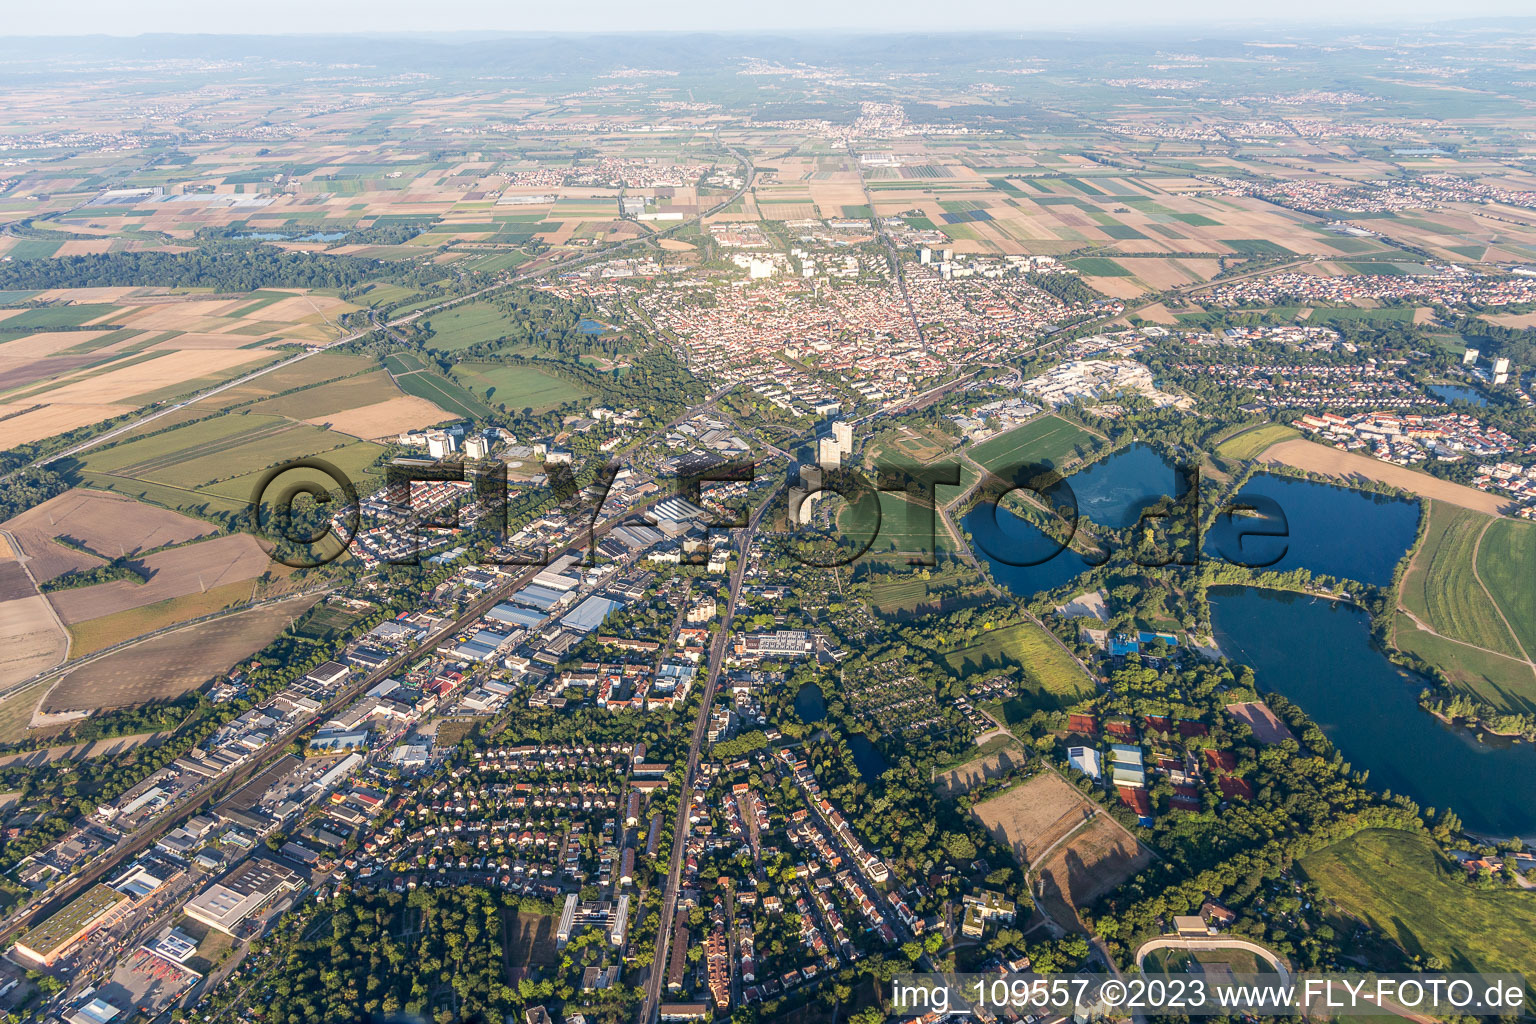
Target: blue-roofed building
{"points": [[590, 613], [473, 651], [535, 596], [512, 615]]}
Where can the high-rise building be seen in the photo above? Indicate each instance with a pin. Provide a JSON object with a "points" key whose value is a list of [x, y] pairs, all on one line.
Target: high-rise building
{"points": [[477, 447], [842, 433], [441, 444], [1469, 357], [828, 453], [1501, 365]]}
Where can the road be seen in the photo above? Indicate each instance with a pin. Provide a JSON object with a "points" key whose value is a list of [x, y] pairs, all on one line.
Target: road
{"points": [[651, 1006], [518, 278], [890, 246]]}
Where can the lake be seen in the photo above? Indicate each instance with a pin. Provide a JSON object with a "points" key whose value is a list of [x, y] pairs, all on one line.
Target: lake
{"points": [[1319, 654], [1010, 538], [1457, 393], [1335, 530], [280, 236], [1114, 491], [871, 763], [810, 705]]}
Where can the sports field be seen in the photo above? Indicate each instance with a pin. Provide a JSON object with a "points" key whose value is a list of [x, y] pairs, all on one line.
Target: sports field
{"points": [[1048, 439], [1400, 885]]}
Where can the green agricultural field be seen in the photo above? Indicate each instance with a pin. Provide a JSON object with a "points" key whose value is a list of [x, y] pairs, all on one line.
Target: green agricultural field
{"points": [[1251, 443], [217, 462], [412, 378], [328, 399], [1099, 266], [46, 317], [355, 460], [1506, 561], [1405, 889], [1352, 314], [1051, 670], [516, 387], [1442, 588], [1501, 681], [904, 593], [1257, 247], [1048, 439], [903, 527]]}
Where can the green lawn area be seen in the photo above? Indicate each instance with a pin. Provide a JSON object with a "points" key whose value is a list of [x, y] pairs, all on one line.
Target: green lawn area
{"points": [[1403, 887], [1249, 443], [1441, 589], [1046, 665], [1049, 439], [1502, 682], [465, 325], [1507, 564], [517, 387]]}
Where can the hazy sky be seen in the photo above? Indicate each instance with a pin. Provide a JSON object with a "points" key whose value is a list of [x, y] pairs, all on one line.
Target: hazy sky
{"points": [[275, 17]]}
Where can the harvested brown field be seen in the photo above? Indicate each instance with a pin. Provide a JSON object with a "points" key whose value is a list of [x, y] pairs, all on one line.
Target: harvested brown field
{"points": [[26, 421], [384, 419], [167, 666], [172, 368], [108, 523], [1319, 458], [14, 582], [1096, 860], [191, 569], [16, 712], [1029, 818], [100, 633], [968, 776], [30, 638]]}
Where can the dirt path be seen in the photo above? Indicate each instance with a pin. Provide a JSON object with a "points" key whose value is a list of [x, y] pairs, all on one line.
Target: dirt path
{"points": [[1477, 548]]}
